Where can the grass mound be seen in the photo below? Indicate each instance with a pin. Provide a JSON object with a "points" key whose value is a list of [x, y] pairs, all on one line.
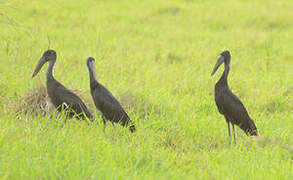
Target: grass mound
{"points": [[37, 102]]}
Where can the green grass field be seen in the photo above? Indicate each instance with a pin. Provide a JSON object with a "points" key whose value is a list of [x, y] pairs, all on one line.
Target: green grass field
{"points": [[156, 58]]}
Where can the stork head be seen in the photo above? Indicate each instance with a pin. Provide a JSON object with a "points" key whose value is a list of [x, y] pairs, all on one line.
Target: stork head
{"points": [[90, 61], [49, 55], [225, 57], [91, 66]]}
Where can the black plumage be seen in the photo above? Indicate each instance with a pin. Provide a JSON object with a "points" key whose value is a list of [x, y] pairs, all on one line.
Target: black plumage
{"points": [[228, 103], [106, 102], [60, 96]]}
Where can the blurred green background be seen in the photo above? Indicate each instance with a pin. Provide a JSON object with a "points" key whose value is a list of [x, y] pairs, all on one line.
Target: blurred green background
{"points": [[156, 58]]}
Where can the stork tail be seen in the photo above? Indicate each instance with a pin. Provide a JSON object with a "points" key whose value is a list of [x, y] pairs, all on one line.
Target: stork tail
{"points": [[249, 127]]}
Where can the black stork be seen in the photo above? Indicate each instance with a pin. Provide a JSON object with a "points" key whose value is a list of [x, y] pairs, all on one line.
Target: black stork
{"points": [[106, 102], [228, 103], [60, 96]]}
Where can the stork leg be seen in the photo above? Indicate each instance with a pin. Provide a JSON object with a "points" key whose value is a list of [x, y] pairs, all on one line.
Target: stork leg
{"points": [[104, 122], [234, 133], [66, 117], [114, 125], [229, 130]]}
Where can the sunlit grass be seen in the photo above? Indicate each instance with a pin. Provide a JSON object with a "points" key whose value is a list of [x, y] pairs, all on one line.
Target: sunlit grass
{"points": [[156, 58]]}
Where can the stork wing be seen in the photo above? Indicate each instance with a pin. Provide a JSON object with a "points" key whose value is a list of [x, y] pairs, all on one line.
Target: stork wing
{"points": [[109, 106], [71, 100], [233, 107]]}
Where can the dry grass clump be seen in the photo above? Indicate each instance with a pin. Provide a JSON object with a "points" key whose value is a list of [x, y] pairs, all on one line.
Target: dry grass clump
{"points": [[37, 102]]}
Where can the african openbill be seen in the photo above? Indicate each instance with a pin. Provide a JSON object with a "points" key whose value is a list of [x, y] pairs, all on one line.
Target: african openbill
{"points": [[228, 103], [60, 96], [106, 102]]}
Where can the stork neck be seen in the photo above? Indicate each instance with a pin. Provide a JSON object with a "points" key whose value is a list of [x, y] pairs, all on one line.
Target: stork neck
{"points": [[50, 70], [223, 79], [92, 73]]}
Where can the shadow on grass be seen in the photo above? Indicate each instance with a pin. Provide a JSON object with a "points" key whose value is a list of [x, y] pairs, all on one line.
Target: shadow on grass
{"points": [[139, 105], [264, 141]]}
